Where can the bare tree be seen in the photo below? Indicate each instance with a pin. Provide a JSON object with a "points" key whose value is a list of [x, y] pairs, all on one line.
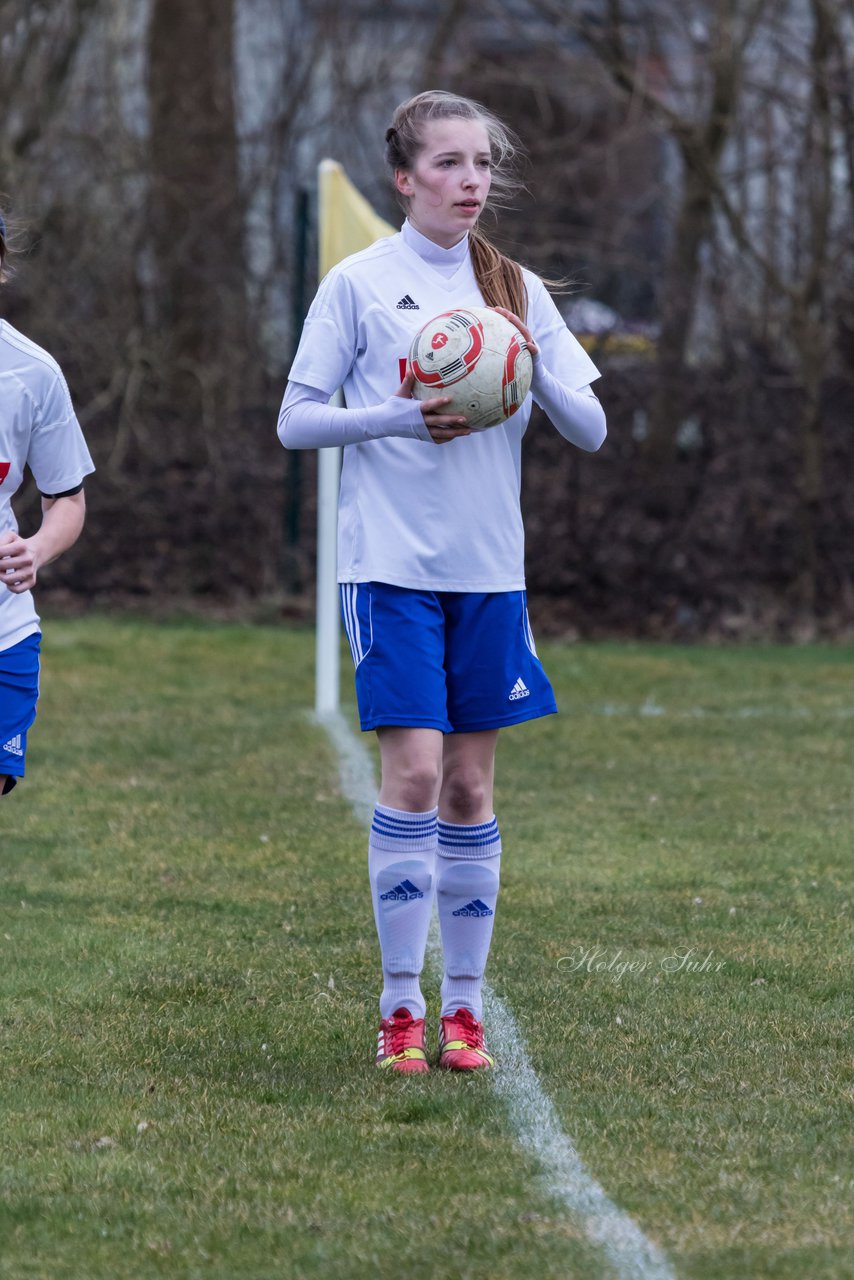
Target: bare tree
{"points": [[783, 220], [41, 44], [700, 67], [197, 218]]}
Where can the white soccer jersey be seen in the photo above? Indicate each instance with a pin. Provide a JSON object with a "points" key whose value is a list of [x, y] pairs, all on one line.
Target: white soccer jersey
{"points": [[413, 514], [38, 429]]}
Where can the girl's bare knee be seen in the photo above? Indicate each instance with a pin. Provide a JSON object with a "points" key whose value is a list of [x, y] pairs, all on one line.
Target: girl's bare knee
{"points": [[466, 799]]}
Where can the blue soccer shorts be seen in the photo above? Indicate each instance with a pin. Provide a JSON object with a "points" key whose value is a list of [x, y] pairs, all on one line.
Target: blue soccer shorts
{"points": [[455, 661], [19, 693]]}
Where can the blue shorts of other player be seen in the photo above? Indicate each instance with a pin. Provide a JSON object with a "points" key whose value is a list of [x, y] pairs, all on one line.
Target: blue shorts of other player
{"points": [[19, 692]]}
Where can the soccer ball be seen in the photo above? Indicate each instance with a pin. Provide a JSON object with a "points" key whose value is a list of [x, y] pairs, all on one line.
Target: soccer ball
{"points": [[477, 358]]}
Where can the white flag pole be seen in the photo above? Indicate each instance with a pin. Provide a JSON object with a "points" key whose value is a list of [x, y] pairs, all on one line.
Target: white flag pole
{"points": [[328, 652]]}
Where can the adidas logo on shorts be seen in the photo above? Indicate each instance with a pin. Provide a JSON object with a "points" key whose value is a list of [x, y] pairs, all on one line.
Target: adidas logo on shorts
{"points": [[519, 690], [13, 746], [407, 304]]}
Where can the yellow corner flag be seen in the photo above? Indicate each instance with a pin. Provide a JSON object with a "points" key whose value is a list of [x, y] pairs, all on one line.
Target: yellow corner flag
{"points": [[347, 223]]}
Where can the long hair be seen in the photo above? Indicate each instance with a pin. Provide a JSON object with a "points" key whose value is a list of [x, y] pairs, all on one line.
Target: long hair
{"points": [[499, 277]]}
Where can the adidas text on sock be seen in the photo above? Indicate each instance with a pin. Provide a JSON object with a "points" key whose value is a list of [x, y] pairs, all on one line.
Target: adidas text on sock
{"points": [[467, 882], [401, 864]]}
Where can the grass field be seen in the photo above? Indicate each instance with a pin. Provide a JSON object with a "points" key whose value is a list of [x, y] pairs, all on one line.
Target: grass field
{"points": [[189, 974]]}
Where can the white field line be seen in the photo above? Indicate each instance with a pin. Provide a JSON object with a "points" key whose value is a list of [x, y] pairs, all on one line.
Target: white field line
{"points": [[532, 1113]]}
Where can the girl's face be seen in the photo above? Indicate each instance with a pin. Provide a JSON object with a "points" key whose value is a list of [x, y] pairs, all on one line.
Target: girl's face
{"points": [[448, 184]]}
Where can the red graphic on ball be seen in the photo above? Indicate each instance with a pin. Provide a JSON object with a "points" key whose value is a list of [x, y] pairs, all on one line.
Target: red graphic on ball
{"points": [[460, 365]]}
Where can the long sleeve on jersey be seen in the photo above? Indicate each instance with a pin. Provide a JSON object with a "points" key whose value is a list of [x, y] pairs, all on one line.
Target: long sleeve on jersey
{"points": [[577, 415], [563, 372], [308, 421]]}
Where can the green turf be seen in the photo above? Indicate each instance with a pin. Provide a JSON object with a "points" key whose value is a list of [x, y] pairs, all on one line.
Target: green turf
{"points": [[189, 976]]}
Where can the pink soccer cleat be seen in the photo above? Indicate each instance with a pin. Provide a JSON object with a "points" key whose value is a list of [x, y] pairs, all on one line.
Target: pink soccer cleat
{"points": [[461, 1046], [400, 1043]]}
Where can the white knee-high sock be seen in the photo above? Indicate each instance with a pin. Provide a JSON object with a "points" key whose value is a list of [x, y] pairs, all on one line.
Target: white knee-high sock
{"points": [[402, 869], [467, 888]]}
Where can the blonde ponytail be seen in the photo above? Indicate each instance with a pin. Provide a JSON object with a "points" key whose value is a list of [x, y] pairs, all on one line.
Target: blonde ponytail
{"points": [[499, 278]]}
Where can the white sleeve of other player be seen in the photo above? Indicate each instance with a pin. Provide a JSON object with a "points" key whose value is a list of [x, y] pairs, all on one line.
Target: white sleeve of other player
{"points": [[57, 454]]}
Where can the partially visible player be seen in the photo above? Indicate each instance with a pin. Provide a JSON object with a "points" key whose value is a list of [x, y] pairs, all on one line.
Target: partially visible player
{"points": [[431, 554], [39, 430]]}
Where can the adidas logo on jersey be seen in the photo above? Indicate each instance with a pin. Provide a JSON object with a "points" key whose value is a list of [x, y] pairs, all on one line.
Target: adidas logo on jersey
{"points": [[474, 908], [13, 746], [407, 304], [519, 690], [406, 891]]}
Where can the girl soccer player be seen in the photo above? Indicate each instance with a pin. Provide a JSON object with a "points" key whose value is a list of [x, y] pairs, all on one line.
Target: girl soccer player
{"points": [[431, 555], [38, 429]]}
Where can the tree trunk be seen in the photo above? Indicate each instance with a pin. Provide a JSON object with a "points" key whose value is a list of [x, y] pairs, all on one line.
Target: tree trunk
{"points": [[812, 316], [678, 299], [196, 209]]}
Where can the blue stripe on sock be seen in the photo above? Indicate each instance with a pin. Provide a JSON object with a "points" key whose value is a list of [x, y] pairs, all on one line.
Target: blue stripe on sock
{"points": [[415, 821], [410, 833], [395, 827], [459, 837], [428, 824]]}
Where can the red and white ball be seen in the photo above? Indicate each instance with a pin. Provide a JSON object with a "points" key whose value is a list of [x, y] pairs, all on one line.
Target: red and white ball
{"points": [[477, 358]]}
